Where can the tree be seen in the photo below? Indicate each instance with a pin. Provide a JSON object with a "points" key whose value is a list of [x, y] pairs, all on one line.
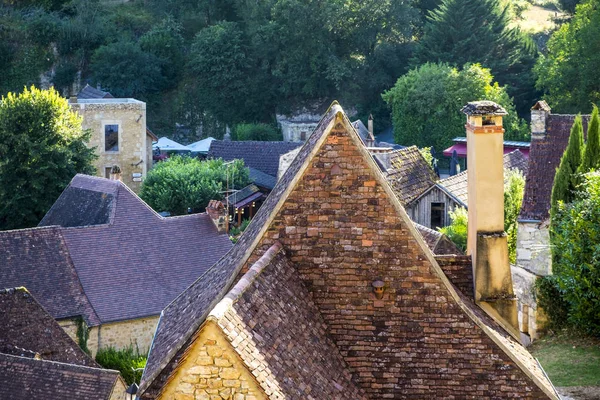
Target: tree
{"points": [[426, 101], [261, 132], [457, 230], [183, 183], [569, 74], [481, 31], [568, 6], [591, 153], [514, 189], [565, 180], [42, 146]]}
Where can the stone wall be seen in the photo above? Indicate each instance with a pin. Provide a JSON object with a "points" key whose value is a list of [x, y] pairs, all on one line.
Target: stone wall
{"points": [[533, 248], [293, 131], [118, 392], [130, 116], [212, 370]]}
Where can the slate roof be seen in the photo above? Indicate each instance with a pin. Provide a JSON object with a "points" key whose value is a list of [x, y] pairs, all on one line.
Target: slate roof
{"points": [[484, 107], [544, 158], [130, 267], [457, 184], [263, 156], [90, 92], [242, 194], [27, 327], [437, 242], [261, 179], [270, 303], [409, 174], [39, 260], [24, 378]]}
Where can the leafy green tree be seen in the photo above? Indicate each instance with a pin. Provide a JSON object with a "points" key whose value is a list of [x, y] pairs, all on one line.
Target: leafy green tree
{"points": [[183, 183], [514, 189], [568, 6], [457, 230], [591, 153], [426, 101], [261, 132], [481, 31], [565, 180], [576, 231], [164, 41], [569, 73], [42, 146]]}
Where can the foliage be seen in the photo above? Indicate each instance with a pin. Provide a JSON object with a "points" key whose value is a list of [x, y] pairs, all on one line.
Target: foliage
{"points": [[426, 153], [549, 298], [591, 153], [83, 334], [128, 361], [576, 234], [514, 189], [261, 132], [42, 147], [182, 183], [568, 6], [565, 180], [480, 31], [236, 231], [457, 230], [569, 73], [425, 104]]}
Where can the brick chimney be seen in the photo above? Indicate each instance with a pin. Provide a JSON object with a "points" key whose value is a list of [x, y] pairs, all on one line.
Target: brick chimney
{"points": [[218, 213], [487, 241], [539, 115]]}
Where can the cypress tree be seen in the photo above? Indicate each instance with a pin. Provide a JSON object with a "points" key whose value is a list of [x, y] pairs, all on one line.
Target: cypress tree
{"points": [[591, 154], [565, 179]]}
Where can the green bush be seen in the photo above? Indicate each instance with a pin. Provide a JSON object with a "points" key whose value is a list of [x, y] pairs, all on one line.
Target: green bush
{"points": [[457, 230], [550, 299], [261, 132], [128, 361], [514, 189]]}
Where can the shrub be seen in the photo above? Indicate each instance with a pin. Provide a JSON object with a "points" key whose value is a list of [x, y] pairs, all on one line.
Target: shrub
{"points": [[261, 132], [457, 230], [128, 361]]}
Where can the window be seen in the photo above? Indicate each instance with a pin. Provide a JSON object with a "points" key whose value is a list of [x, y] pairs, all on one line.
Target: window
{"points": [[107, 172], [302, 135], [438, 215], [111, 137]]}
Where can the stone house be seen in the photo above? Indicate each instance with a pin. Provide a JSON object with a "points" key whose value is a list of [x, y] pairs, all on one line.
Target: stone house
{"points": [[331, 293], [38, 360], [119, 135], [299, 126], [103, 260]]}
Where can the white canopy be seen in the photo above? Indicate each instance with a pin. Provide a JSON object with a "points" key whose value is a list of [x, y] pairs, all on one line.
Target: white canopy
{"points": [[166, 144], [201, 146]]}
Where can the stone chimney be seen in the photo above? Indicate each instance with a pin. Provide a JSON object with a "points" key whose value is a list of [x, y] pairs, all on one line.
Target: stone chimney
{"points": [[371, 139], [539, 116], [73, 100], [487, 241], [218, 213], [115, 173]]}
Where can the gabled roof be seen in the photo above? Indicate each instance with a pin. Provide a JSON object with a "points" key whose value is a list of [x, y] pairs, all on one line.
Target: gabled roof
{"points": [[409, 174], [544, 158], [457, 184], [28, 328], [281, 217], [261, 179], [263, 156], [130, 266], [439, 243], [24, 378], [90, 92]]}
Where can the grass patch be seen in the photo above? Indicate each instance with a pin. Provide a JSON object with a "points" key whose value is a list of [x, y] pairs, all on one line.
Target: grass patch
{"points": [[569, 360]]}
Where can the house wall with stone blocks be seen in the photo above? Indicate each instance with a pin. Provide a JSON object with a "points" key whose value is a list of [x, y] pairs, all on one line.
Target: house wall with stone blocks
{"points": [[212, 370], [533, 248], [130, 117]]}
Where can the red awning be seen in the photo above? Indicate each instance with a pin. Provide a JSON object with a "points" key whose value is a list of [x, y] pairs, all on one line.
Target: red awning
{"points": [[461, 150]]}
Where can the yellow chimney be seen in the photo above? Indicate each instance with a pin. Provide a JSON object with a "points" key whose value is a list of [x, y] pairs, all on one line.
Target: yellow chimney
{"points": [[487, 242]]}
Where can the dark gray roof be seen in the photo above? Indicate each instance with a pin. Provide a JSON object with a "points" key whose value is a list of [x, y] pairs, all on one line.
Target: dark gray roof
{"points": [[484, 107], [263, 156], [242, 194], [180, 319], [90, 92], [27, 327], [261, 179], [24, 378], [130, 267]]}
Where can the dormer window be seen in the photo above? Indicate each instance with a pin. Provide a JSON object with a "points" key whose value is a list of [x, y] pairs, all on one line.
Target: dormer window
{"points": [[111, 137]]}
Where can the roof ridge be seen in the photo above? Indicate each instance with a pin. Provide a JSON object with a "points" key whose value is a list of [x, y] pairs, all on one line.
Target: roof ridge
{"points": [[58, 363]]}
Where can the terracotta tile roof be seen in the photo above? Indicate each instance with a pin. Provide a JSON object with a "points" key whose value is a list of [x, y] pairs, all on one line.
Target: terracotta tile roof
{"points": [[130, 267], [39, 260], [268, 304], [27, 378], [457, 184], [263, 156], [437, 241], [410, 175], [26, 326], [544, 158]]}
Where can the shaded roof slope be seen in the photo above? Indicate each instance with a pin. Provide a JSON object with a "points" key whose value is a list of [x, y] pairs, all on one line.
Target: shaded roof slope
{"points": [[437, 241], [544, 158], [39, 260], [457, 184], [270, 304], [28, 378], [410, 174], [261, 179], [90, 92], [27, 326], [263, 156]]}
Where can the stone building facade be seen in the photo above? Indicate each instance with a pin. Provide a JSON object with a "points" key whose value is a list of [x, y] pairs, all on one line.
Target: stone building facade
{"points": [[119, 136], [298, 127]]}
